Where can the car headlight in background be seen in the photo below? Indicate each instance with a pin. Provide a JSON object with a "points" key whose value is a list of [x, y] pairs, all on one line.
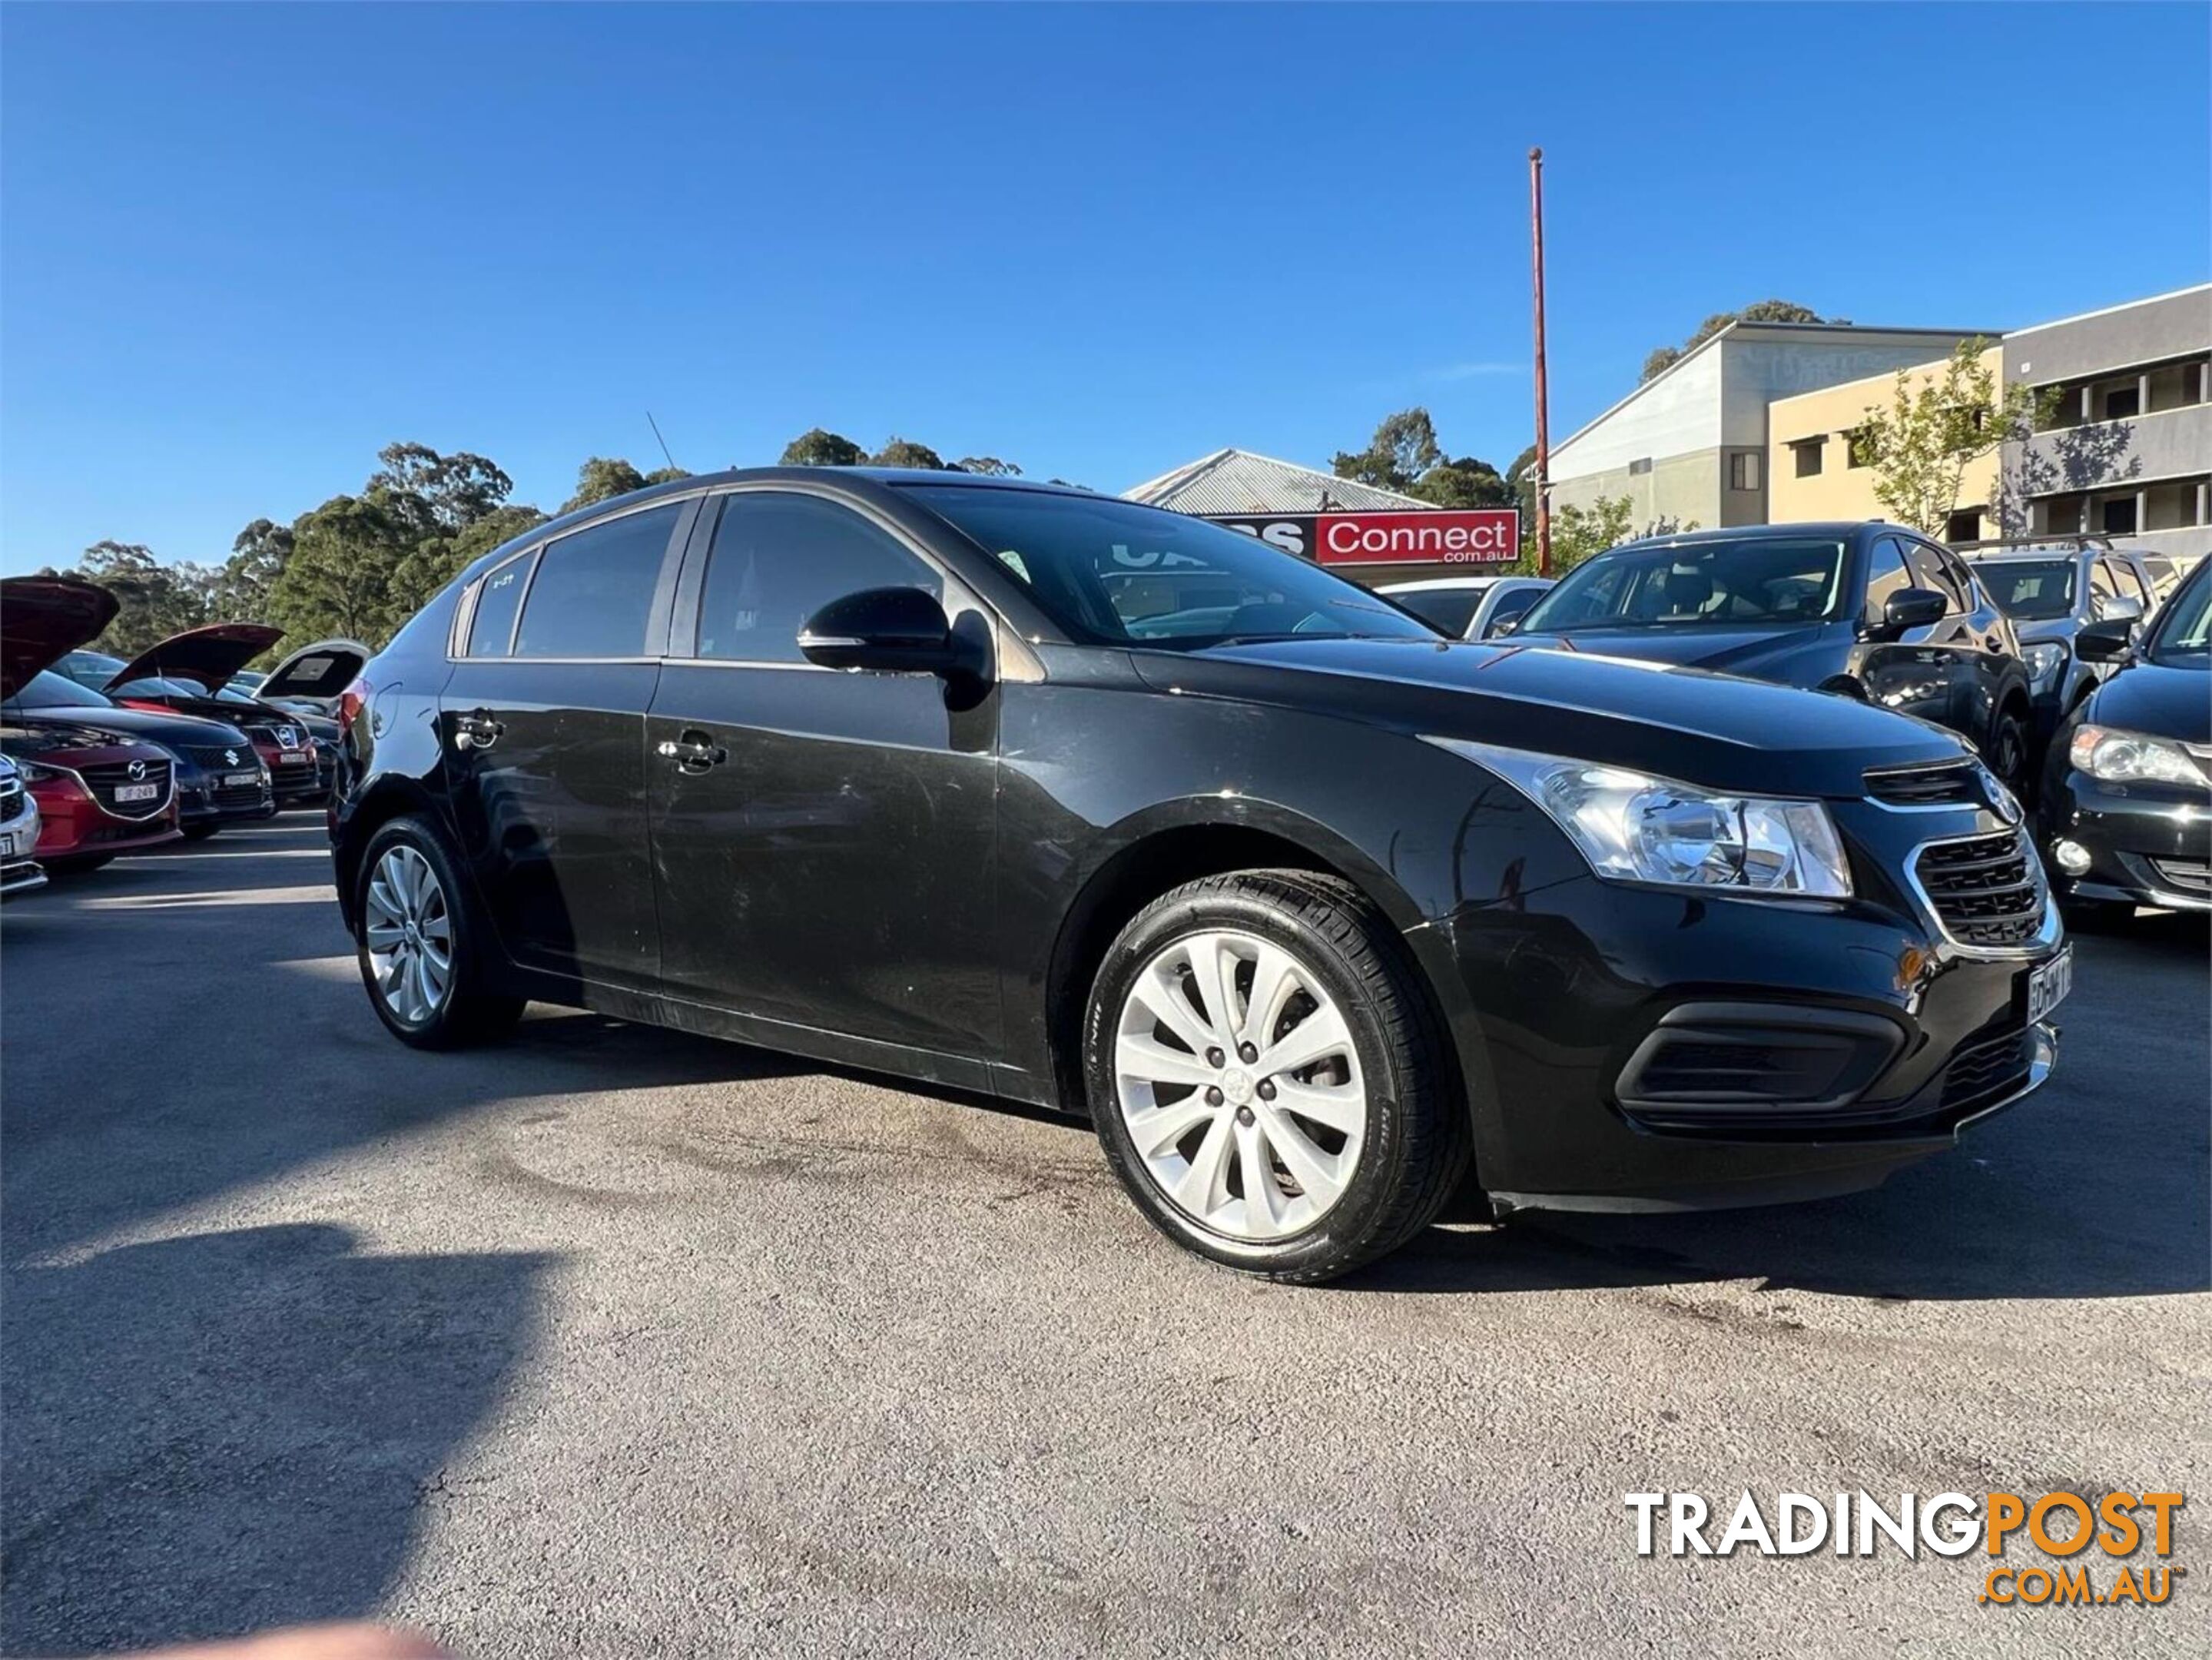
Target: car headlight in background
{"points": [[2131, 758], [2046, 659], [1636, 827], [31, 773]]}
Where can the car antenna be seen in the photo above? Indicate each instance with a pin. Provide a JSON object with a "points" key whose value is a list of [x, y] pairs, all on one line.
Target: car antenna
{"points": [[659, 440]]}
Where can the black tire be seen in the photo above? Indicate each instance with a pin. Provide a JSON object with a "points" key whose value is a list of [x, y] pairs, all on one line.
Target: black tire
{"points": [[2006, 753], [200, 832], [470, 1011], [2095, 916], [76, 864], [1415, 1149]]}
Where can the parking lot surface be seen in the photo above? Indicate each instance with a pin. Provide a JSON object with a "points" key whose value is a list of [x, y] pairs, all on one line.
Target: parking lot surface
{"points": [[613, 1341]]}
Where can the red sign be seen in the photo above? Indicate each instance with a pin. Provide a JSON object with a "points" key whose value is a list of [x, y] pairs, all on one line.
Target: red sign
{"points": [[1471, 536]]}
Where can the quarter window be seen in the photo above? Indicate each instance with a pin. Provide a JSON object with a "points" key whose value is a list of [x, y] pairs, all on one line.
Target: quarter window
{"points": [[593, 590], [497, 595], [1886, 575], [778, 558]]}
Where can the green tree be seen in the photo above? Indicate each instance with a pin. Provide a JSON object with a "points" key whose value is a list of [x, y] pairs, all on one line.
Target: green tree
{"points": [[988, 466], [601, 479], [905, 452], [1919, 447], [1577, 533], [341, 577], [429, 565], [1464, 482], [1760, 311], [1403, 448], [155, 600], [816, 447], [433, 493]]}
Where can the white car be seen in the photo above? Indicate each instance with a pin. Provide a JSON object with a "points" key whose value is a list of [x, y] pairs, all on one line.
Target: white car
{"points": [[19, 833], [1468, 607]]}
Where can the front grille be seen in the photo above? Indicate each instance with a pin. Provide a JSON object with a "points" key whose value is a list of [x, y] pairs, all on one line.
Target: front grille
{"points": [[13, 798], [2184, 875], [1986, 890], [1986, 1069], [222, 757], [238, 795], [108, 776], [1947, 784]]}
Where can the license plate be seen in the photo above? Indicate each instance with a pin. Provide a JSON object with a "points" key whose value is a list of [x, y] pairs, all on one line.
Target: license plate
{"points": [[11, 844], [233, 779], [2047, 986], [292, 759], [137, 791]]}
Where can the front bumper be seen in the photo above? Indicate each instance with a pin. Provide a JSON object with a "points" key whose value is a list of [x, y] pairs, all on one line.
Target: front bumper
{"points": [[1893, 1038], [2147, 844]]}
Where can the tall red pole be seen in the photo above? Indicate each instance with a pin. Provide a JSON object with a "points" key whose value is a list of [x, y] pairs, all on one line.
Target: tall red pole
{"points": [[1543, 413]]}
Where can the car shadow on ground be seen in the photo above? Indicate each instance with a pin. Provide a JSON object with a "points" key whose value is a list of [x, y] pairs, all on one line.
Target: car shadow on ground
{"points": [[2100, 1185], [225, 1431]]}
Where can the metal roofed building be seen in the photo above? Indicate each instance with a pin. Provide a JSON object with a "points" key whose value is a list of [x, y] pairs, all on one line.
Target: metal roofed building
{"points": [[1235, 484], [1691, 444]]}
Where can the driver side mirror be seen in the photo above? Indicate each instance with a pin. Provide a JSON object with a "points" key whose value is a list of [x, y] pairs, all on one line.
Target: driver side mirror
{"points": [[1912, 608], [1498, 628], [882, 631], [2107, 641]]}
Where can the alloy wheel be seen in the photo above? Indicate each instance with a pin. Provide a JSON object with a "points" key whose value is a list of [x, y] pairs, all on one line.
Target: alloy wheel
{"points": [[1238, 1081], [408, 930]]}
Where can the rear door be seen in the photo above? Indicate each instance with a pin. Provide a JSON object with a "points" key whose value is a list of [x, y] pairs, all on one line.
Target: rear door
{"points": [[805, 820], [543, 727], [1962, 651]]}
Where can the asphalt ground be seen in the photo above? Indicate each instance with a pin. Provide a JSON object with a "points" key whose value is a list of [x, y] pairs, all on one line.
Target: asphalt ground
{"points": [[614, 1341]]}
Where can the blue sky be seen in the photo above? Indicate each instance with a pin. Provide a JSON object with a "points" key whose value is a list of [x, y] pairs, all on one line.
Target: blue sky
{"points": [[244, 248]]}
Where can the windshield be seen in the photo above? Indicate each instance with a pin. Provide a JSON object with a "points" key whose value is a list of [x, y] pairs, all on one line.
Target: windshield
{"points": [[2183, 637], [1769, 579], [1114, 573], [2031, 590], [47, 691]]}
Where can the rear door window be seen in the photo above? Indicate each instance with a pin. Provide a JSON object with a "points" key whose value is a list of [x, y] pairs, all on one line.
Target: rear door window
{"points": [[592, 594], [780, 558]]}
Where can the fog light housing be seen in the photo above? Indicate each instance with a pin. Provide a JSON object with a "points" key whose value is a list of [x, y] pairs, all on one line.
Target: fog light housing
{"points": [[2073, 858]]}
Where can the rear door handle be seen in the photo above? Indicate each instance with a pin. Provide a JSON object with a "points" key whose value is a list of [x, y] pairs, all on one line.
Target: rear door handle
{"points": [[476, 730], [694, 752]]}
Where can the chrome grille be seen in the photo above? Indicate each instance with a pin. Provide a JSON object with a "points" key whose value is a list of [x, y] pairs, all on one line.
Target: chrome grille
{"points": [[1947, 784], [12, 797], [104, 779], [1986, 890]]}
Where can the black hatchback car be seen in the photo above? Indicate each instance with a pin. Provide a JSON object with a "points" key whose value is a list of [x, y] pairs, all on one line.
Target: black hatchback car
{"points": [[1302, 903], [1871, 610]]}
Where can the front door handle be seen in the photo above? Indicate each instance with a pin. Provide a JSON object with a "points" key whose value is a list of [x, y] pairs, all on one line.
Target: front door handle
{"points": [[476, 730], [694, 752]]}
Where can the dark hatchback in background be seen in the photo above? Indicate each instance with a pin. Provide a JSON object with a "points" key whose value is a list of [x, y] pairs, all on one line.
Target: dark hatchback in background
{"points": [[2051, 592], [1302, 904], [1870, 610], [2126, 813]]}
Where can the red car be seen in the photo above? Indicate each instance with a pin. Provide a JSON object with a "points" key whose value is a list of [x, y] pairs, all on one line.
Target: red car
{"points": [[95, 799]]}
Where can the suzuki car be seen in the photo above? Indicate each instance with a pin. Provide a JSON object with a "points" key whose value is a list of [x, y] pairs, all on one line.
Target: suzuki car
{"points": [[1870, 610], [1303, 905], [2126, 811], [190, 672]]}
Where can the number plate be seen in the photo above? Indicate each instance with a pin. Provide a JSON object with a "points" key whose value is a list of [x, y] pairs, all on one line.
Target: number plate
{"points": [[291, 759], [137, 791], [2047, 986], [233, 779], [9, 845]]}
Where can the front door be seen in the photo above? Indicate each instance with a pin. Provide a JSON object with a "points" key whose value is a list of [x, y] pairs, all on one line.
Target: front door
{"points": [[823, 842], [543, 727]]}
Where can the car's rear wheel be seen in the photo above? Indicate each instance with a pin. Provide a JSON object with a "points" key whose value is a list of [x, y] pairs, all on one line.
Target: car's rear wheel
{"points": [[2008, 749], [423, 952], [1266, 1077]]}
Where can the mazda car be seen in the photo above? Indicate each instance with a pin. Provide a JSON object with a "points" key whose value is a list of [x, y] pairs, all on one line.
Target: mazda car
{"points": [[1869, 611], [190, 672], [1308, 909], [2126, 811]]}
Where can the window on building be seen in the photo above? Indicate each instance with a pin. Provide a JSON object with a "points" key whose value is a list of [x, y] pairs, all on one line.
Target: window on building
{"points": [[1806, 454], [593, 589], [1858, 447], [2117, 515], [1965, 526], [2121, 402], [1743, 471], [1641, 465]]}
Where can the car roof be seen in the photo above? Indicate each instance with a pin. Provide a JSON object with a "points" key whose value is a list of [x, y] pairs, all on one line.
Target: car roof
{"points": [[2042, 556]]}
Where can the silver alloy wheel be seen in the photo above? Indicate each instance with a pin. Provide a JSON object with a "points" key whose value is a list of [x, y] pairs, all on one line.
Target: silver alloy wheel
{"points": [[1239, 1084], [409, 932]]}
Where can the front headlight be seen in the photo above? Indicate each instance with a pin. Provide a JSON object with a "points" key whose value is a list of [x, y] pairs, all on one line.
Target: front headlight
{"points": [[2044, 659], [1635, 828], [2131, 758], [32, 773]]}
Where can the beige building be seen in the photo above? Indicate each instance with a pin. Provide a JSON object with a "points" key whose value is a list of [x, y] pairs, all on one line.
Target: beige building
{"points": [[1815, 470]]}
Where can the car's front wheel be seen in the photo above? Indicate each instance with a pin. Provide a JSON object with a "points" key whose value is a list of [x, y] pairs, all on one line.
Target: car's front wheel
{"points": [[423, 955], [1266, 1077]]}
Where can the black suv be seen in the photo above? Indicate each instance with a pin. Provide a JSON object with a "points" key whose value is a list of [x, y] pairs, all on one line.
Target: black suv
{"points": [[1871, 610], [1302, 904]]}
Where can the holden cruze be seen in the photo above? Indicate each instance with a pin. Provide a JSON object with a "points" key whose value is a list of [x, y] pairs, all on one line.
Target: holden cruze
{"points": [[1093, 806]]}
